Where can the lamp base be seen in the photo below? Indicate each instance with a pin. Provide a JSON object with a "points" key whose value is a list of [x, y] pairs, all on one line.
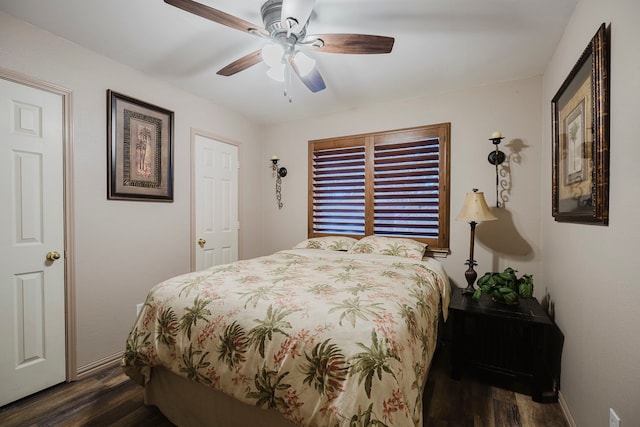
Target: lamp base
{"points": [[471, 277]]}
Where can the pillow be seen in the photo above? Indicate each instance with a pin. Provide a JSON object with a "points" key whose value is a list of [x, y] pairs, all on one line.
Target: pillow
{"points": [[395, 246], [329, 243]]}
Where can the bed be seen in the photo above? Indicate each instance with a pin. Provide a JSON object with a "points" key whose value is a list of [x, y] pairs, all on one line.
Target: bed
{"points": [[333, 332]]}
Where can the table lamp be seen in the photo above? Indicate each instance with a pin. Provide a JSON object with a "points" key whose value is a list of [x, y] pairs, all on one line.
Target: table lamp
{"points": [[474, 210]]}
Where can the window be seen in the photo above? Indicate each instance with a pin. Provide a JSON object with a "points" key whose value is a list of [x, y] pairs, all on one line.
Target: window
{"points": [[393, 183]]}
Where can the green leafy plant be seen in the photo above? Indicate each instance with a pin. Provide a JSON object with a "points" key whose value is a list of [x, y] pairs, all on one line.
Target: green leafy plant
{"points": [[505, 287]]}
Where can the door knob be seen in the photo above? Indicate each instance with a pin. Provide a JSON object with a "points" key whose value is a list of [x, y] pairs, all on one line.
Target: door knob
{"points": [[202, 242], [53, 255]]}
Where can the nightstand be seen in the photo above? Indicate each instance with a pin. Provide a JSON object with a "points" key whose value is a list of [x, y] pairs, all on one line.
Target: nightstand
{"points": [[518, 345]]}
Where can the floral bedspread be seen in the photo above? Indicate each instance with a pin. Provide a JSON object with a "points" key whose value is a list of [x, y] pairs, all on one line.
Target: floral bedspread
{"points": [[326, 338]]}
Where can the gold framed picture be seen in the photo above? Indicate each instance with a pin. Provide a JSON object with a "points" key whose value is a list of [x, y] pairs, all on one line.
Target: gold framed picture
{"points": [[140, 150], [580, 136]]}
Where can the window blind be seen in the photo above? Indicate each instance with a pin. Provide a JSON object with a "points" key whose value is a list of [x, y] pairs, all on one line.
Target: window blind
{"points": [[392, 183], [339, 190], [406, 189]]}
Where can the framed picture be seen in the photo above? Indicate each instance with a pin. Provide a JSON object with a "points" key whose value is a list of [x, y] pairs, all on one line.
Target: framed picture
{"points": [[580, 132], [140, 150]]}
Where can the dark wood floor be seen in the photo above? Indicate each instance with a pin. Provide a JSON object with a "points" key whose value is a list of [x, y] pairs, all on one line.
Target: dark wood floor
{"points": [[474, 403], [109, 398]]}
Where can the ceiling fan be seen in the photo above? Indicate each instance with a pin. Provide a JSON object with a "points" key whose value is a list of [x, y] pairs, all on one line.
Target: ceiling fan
{"points": [[285, 25]]}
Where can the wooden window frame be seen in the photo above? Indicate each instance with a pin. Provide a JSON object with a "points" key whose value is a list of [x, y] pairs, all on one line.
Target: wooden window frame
{"points": [[442, 131]]}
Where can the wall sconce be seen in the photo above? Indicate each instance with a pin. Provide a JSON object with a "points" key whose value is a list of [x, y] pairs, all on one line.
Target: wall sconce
{"points": [[278, 173], [496, 158]]}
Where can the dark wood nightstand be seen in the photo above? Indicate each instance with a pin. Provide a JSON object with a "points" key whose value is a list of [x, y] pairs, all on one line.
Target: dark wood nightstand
{"points": [[516, 345]]}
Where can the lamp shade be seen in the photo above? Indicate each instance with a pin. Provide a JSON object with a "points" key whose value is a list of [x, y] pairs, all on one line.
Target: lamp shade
{"points": [[304, 63], [475, 208], [277, 72], [272, 54]]}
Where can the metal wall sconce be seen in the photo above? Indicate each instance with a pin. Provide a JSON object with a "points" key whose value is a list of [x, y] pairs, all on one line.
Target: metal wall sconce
{"points": [[496, 158], [278, 173]]}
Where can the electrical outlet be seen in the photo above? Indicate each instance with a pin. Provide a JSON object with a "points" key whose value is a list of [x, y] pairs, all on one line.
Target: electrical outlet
{"points": [[614, 419]]}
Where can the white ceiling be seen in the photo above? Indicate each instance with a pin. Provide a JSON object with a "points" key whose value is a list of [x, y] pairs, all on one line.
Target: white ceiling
{"points": [[439, 45]]}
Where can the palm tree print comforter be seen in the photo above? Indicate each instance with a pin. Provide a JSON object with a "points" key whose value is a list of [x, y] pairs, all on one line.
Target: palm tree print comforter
{"points": [[326, 338]]}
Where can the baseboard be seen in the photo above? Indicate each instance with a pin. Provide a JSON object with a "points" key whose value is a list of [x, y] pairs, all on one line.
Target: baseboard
{"points": [[91, 368], [566, 411]]}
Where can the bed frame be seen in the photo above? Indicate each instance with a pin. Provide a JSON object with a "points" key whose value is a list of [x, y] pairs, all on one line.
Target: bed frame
{"points": [[187, 403]]}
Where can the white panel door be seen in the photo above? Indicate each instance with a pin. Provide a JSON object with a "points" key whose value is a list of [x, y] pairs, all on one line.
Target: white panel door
{"points": [[216, 216], [32, 294]]}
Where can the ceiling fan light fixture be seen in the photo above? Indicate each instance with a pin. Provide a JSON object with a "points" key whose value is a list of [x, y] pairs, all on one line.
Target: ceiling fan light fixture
{"points": [[277, 72], [304, 63], [272, 55]]}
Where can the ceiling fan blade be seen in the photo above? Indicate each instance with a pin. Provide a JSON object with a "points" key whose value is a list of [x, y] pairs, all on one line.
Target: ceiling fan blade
{"points": [[312, 80], [349, 43], [218, 16], [241, 64], [300, 10]]}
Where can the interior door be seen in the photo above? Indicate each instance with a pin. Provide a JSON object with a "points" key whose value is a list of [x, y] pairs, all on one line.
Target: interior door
{"points": [[32, 256], [216, 188]]}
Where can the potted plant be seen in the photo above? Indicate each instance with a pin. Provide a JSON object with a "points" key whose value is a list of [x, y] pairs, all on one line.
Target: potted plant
{"points": [[505, 287]]}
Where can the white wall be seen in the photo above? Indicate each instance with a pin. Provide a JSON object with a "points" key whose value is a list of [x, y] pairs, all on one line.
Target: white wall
{"points": [[122, 248], [512, 107], [588, 269]]}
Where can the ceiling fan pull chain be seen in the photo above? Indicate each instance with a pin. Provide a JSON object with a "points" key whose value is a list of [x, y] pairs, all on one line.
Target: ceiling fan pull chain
{"points": [[287, 80]]}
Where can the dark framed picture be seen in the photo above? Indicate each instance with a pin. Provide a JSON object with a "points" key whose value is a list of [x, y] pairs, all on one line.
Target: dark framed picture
{"points": [[580, 132], [140, 150]]}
